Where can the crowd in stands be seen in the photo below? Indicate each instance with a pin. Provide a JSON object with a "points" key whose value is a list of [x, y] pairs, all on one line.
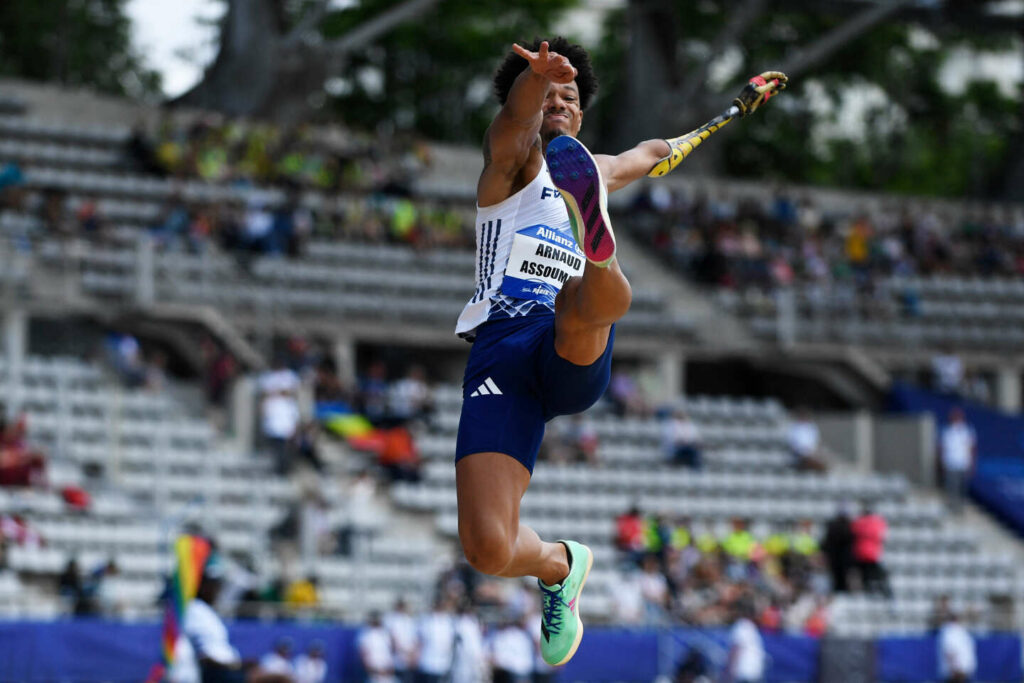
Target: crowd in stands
{"points": [[230, 150], [21, 465], [450, 642], [673, 571], [722, 241]]}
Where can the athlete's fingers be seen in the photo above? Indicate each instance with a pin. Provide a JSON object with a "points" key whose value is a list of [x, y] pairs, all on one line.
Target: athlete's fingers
{"points": [[543, 51], [523, 52]]}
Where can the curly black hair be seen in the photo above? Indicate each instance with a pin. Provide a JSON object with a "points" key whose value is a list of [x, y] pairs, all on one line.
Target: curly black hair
{"points": [[513, 65]]}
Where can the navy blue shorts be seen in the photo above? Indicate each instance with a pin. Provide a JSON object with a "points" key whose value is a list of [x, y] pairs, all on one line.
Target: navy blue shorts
{"points": [[515, 382]]}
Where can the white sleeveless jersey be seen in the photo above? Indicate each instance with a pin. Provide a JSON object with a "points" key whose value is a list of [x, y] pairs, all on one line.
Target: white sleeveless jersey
{"points": [[525, 252]]}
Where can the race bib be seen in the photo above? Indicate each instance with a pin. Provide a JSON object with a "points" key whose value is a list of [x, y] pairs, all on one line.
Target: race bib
{"points": [[540, 262]]}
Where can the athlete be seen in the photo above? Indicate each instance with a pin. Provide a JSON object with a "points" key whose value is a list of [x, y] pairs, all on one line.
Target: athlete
{"points": [[542, 318]]}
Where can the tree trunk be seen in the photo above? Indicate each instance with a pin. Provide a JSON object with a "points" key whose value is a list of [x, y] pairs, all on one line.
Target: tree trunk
{"points": [[246, 69]]}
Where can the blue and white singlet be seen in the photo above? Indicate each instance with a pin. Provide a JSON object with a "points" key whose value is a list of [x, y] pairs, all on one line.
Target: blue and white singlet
{"points": [[525, 252]]}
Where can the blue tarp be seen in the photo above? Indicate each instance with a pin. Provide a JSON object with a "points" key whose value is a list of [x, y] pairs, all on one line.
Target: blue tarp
{"points": [[1000, 435], [916, 660], [94, 650]]}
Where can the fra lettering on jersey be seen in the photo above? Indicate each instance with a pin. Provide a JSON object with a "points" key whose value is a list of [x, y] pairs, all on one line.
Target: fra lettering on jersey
{"points": [[550, 192]]}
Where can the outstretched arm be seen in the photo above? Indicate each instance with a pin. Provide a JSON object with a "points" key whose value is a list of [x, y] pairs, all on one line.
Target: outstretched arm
{"points": [[514, 130], [658, 157]]}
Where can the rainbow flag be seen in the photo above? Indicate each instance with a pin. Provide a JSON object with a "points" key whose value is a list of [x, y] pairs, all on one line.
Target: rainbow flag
{"points": [[191, 554]]}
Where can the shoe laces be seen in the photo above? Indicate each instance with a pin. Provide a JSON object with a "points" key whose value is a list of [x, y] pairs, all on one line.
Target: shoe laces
{"points": [[552, 605]]}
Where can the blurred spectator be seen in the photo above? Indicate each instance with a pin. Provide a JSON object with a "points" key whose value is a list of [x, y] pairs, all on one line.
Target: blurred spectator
{"points": [[436, 633], [941, 613], [372, 399], [375, 651], [680, 440], [630, 534], [739, 543], [410, 398], [958, 450], [220, 371], [125, 355], [20, 466], [328, 390], [69, 587], [626, 397], [869, 532], [805, 443], [310, 666], [279, 660], [746, 648], [103, 593], [469, 662], [12, 181], [511, 652], [654, 589], [359, 514], [305, 445], [692, 668], [401, 627], [837, 545], [572, 439], [399, 457], [957, 655], [279, 411], [302, 593], [628, 597], [816, 624], [218, 660], [948, 372]]}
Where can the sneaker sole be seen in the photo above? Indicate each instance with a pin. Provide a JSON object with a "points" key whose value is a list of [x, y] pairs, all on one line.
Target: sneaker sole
{"points": [[577, 175], [579, 622]]}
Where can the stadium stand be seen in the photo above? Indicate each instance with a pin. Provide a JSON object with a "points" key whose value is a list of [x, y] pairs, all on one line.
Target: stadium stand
{"points": [[161, 464]]}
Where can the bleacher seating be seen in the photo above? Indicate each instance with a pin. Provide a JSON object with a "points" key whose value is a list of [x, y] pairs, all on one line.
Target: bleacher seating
{"points": [[162, 466], [925, 556]]}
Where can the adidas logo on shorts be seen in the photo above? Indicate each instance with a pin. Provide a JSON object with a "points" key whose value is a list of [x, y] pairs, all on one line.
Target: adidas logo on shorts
{"points": [[486, 389]]}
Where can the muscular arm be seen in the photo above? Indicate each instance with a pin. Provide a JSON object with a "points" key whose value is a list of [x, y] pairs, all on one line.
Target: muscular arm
{"points": [[510, 136], [621, 170], [513, 133]]}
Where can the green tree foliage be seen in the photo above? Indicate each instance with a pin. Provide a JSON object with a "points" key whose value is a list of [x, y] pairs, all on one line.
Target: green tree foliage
{"points": [[922, 139], [75, 43], [435, 72]]}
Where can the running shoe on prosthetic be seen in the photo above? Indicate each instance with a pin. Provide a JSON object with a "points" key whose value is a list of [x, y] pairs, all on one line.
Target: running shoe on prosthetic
{"points": [[561, 629], [577, 176]]}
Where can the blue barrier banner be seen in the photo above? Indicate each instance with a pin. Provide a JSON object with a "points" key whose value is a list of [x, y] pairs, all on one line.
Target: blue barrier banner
{"points": [[96, 650], [792, 658], [916, 659], [608, 654]]}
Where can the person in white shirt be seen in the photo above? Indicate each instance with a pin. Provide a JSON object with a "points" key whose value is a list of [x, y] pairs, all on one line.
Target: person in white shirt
{"points": [[804, 440], [680, 440], [279, 412], [958, 447], [511, 651], [218, 661], [470, 662], [436, 632], [746, 648], [948, 371], [310, 667], [958, 660], [375, 651], [654, 589], [402, 628], [279, 660]]}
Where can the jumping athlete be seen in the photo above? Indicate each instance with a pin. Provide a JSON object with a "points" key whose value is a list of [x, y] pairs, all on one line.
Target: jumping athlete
{"points": [[542, 318]]}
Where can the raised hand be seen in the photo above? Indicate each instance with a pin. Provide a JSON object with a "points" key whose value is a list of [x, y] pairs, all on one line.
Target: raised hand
{"points": [[759, 90], [553, 66]]}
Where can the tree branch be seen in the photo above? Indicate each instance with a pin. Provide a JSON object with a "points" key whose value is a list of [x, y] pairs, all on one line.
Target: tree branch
{"points": [[308, 23], [369, 31], [840, 36]]}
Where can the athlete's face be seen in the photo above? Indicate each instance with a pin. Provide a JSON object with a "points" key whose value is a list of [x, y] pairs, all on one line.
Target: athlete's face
{"points": [[562, 112]]}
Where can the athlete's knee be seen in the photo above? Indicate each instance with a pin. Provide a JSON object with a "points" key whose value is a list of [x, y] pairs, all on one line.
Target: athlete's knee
{"points": [[487, 547]]}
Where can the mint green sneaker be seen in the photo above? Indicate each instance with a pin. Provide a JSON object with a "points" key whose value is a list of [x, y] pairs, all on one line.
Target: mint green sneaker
{"points": [[560, 628]]}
